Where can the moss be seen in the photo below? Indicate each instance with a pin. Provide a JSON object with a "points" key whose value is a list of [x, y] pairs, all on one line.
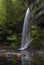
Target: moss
{"points": [[14, 45], [38, 37]]}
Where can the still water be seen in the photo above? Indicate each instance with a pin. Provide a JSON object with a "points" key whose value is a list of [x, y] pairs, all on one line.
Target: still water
{"points": [[24, 58]]}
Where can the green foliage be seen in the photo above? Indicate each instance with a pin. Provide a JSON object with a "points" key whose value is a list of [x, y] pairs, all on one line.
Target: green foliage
{"points": [[9, 31], [12, 37], [14, 45], [38, 37], [42, 2], [2, 13], [34, 32], [11, 18]]}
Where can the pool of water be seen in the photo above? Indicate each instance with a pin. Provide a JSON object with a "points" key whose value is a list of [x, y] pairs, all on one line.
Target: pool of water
{"points": [[24, 58]]}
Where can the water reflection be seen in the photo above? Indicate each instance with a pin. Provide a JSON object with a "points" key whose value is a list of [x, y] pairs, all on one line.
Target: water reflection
{"points": [[26, 57], [32, 58]]}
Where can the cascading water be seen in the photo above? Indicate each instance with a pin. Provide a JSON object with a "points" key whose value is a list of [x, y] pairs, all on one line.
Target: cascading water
{"points": [[26, 31]]}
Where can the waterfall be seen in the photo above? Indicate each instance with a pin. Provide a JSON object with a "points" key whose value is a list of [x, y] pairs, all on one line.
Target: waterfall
{"points": [[26, 31]]}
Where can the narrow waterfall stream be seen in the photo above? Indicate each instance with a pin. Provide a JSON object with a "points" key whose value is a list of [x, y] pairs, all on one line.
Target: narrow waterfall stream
{"points": [[26, 40]]}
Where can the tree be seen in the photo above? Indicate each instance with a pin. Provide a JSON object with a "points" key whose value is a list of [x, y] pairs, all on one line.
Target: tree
{"points": [[13, 18]]}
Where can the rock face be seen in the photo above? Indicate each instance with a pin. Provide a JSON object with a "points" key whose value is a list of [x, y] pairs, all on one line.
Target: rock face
{"points": [[29, 1], [37, 12], [37, 19]]}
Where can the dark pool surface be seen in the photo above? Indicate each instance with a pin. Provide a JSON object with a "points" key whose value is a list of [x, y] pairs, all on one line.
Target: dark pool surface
{"points": [[25, 58]]}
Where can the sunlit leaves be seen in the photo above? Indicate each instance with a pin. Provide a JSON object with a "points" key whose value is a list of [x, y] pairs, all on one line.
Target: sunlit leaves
{"points": [[2, 13], [12, 38]]}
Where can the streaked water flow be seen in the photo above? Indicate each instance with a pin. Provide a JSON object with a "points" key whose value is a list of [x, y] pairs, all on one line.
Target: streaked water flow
{"points": [[26, 40]]}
